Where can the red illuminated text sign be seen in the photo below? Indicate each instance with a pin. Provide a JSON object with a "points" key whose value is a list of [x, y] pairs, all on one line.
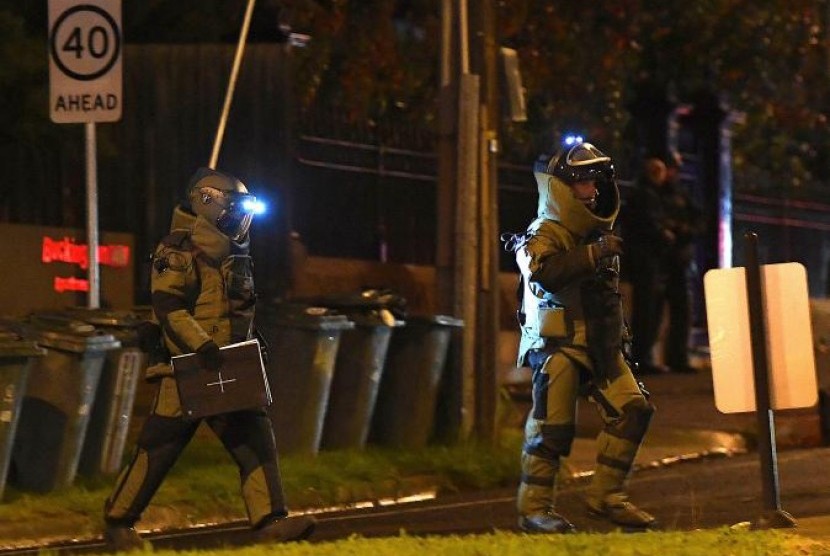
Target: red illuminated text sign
{"points": [[71, 285], [67, 251]]}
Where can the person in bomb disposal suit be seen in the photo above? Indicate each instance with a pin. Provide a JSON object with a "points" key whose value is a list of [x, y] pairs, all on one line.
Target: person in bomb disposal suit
{"points": [[203, 298], [572, 333]]}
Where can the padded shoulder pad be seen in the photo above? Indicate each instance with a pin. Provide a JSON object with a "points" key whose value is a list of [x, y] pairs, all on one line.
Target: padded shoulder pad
{"points": [[177, 238]]}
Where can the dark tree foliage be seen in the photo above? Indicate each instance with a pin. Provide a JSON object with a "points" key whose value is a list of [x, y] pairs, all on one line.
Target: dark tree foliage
{"points": [[583, 63]]}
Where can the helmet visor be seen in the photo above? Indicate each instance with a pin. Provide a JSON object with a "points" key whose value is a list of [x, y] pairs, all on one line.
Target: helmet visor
{"points": [[237, 212], [583, 162], [234, 225]]}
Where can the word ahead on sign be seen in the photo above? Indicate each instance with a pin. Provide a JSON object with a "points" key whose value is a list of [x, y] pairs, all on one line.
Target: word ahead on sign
{"points": [[85, 78]]}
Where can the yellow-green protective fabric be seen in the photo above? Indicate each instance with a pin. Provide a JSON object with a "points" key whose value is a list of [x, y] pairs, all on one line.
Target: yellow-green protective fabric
{"points": [[202, 289], [558, 270]]}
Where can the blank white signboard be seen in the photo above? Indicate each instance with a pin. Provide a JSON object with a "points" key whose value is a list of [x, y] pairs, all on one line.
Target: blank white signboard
{"points": [[789, 338]]}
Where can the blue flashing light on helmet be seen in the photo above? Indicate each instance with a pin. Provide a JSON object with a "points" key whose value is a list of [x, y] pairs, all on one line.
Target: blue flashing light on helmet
{"points": [[253, 205], [571, 140]]}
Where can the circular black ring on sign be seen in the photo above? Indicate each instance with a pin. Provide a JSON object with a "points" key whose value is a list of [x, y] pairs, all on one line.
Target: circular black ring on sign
{"points": [[116, 50]]}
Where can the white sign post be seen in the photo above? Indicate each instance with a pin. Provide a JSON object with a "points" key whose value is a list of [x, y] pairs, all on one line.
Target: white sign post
{"points": [[762, 357], [85, 82]]}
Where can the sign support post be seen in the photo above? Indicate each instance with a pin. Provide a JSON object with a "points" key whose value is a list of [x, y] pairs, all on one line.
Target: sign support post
{"points": [[772, 516], [93, 271]]}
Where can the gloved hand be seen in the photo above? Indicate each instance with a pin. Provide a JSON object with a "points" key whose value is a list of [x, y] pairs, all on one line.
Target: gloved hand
{"points": [[606, 246], [149, 336], [210, 356]]}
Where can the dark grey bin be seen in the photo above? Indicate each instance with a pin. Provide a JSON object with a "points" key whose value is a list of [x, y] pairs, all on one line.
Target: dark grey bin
{"points": [[405, 410], [112, 408], [57, 403], [303, 344], [16, 355], [358, 368]]}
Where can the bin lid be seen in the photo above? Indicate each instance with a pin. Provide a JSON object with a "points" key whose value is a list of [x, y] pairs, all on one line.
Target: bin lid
{"points": [[309, 317], [20, 348], [364, 300], [61, 331], [105, 317], [436, 320], [59, 322], [375, 318], [78, 343]]}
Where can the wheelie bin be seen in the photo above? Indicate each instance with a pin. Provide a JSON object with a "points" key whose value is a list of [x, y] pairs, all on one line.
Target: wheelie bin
{"points": [[358, 369], [405, 410], [112, 408], [302, 344], [57, 402], [16, 355], [359, 365]]}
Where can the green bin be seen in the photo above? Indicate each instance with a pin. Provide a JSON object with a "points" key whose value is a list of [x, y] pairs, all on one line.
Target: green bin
{"points": [[112, 408], [16, 356], [57, 403], [405, 409], [357, 372], [303, 343]]}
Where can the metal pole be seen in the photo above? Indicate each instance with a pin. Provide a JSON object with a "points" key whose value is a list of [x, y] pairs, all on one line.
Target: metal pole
{"points": [[94, 296], [237, 61], [772, 516], [463, 37], [446, 43]]}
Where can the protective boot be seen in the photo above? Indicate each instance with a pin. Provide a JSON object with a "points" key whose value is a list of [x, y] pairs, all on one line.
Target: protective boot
{"points": [[535, 499], [617, 509], [122, 538], [618, 444], [606, 498], [547, 522], [285, 529]]}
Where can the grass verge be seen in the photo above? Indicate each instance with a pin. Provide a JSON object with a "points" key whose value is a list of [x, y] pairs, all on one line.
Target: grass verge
{"points": [[699, 543], [203, 487]]}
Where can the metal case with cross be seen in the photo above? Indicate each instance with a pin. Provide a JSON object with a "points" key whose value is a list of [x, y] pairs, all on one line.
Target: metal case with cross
{"points": [[240, 384]]}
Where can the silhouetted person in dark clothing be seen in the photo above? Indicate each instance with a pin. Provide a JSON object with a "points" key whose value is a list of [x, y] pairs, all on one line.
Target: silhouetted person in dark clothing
{"points": [[684, 219], [648, 238]]}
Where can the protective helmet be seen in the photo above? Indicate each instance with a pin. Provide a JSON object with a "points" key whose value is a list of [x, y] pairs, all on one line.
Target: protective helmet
{"points": [[555, 177], [223, 201], [582, 162]]}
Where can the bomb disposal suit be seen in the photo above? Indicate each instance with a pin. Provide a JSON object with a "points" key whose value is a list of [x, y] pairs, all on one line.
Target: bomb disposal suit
{"points": [[202, 297], [571, 337]]}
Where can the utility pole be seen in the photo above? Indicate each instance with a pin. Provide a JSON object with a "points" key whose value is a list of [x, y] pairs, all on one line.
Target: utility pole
{"points": [[467, 219], [488, 325], [466, 258]]}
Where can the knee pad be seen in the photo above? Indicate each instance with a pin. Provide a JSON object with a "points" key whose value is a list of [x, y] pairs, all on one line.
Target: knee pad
{"points": [[634, 421], [552, 442]]}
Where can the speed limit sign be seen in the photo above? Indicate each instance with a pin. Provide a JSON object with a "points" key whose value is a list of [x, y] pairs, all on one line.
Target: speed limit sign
{"points": [[85, 44]]}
